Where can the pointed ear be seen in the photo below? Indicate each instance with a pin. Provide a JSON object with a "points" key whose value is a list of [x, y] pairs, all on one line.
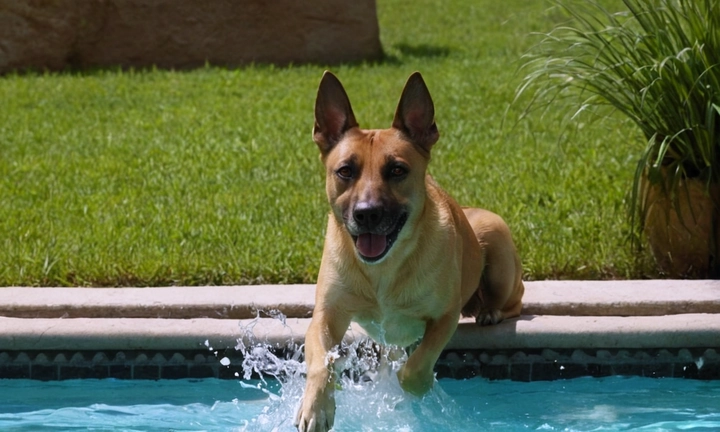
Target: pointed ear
{"points": [[333, 113], [415, 114]]}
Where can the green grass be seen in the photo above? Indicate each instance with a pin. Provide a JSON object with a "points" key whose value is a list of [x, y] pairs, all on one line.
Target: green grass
{"points": [[111, 178]]}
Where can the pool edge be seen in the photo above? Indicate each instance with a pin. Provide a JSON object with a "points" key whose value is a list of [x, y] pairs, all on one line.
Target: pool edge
{"points": [[653, 328]]}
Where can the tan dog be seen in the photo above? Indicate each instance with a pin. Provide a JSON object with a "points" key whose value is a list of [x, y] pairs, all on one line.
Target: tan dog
{"points": [[401, 257]]}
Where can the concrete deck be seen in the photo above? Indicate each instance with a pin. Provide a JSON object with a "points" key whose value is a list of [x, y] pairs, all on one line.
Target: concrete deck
{"points": [[557, 314], [575, 298]]}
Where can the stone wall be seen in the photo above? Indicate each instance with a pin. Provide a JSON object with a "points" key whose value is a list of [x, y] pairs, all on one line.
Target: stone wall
{"points": [[57, 34]]}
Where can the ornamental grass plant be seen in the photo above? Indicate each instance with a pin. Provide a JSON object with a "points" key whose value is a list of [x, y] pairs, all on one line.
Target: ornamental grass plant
{"points": [[657, 62]]}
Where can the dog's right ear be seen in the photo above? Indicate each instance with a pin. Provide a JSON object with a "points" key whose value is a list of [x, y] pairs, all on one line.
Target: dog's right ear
{"points": [[333, 113]]}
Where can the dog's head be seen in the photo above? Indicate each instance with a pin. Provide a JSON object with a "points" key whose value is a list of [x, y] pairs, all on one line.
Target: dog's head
{"points": [[375, 179]]}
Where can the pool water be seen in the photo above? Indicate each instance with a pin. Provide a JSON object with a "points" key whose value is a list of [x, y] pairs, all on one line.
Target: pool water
{"points": [[582, 404]]}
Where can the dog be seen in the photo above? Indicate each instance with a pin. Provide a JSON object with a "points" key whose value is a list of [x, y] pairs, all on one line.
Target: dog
{"points": [[401, 257]]}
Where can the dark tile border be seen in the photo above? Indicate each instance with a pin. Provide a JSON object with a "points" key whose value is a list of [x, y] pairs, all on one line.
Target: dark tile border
{"points": [[543, 365], [517, 365]]}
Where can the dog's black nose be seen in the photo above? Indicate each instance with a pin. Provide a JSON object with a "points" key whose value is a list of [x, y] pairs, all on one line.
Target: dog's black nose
{"points": [[367, 215]]}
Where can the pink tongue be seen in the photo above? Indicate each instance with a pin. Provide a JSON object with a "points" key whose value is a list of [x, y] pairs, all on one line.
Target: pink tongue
{"points": [[371, 245]]}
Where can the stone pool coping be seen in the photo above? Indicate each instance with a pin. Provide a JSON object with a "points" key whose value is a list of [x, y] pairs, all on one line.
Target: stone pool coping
{"points": [[669, 327]]}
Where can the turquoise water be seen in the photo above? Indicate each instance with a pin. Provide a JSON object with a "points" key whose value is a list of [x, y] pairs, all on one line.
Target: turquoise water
{"points": [[583, 404]]}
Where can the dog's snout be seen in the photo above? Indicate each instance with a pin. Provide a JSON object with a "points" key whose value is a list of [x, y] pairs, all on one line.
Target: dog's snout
{"points": [[367, 216]]}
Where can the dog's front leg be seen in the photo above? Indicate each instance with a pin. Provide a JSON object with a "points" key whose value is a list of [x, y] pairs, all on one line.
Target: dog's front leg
{"points": [[317, 411], [416, 375]]}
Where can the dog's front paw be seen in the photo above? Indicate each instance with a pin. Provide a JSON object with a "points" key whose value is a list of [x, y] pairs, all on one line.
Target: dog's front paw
{"points": [[316, 414], [489, 317], [415, 382]]}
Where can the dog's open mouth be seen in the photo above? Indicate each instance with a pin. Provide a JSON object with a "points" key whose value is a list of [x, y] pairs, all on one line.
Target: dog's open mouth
{"points": [[373, 247]]}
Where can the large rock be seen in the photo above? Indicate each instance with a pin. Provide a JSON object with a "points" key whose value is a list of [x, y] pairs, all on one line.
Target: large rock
{"points": [[55, 34]]}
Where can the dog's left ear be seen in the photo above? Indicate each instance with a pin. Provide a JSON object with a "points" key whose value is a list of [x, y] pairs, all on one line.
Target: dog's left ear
{"points": [[415, 114]]}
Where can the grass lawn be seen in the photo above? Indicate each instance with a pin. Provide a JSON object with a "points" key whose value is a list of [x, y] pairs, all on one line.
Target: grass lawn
{"points": [[210, 176]]}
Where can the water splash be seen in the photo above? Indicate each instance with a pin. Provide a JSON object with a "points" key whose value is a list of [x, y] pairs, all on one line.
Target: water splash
{"points": [[368, 394]]}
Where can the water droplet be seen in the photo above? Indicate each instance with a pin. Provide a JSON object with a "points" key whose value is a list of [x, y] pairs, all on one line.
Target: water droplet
{"points": [[699, 363]]}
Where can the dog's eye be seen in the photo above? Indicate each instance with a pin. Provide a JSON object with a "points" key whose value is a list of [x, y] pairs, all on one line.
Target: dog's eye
{"points": [[344, 172], [398, 171]]}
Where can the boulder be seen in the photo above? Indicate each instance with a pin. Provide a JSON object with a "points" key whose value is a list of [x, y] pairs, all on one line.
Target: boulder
{"points": [[57, 34]]}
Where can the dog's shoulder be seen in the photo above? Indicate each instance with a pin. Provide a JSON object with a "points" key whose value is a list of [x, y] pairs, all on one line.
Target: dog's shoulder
{"points": [[449, 212]]}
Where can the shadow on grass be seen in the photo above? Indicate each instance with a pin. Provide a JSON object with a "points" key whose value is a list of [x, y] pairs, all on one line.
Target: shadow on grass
{"points": [[74, 67], [422, 50], [414, 51]]}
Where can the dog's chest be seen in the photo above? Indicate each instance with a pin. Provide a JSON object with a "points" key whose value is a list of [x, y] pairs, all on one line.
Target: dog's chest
{"points": [[392, 328], [397, 320], [395, 311]]}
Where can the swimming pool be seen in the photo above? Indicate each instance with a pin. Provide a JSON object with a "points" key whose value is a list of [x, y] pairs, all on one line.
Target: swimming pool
{"points": [[581, 404]]}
